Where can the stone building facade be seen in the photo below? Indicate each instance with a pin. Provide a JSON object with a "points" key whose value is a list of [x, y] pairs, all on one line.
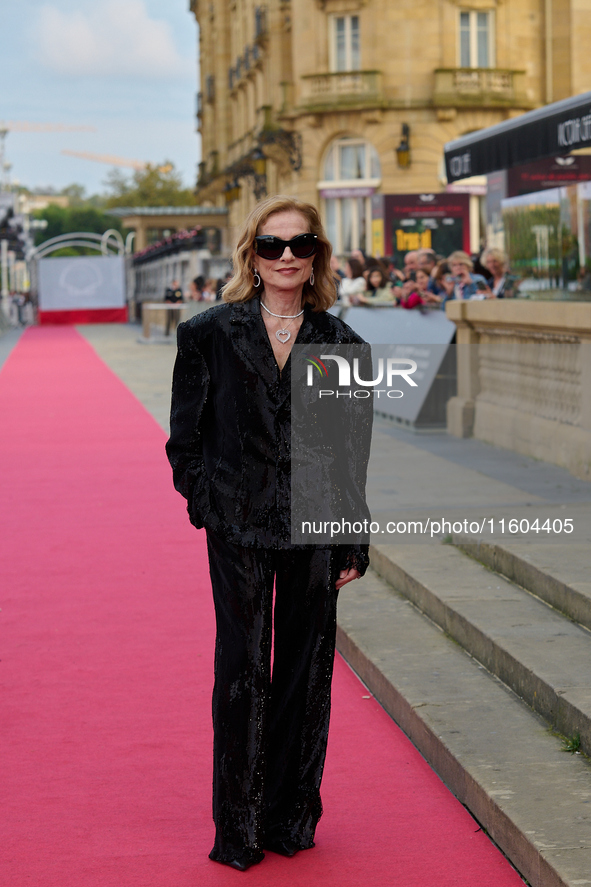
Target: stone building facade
{"points": [[333, 100]]}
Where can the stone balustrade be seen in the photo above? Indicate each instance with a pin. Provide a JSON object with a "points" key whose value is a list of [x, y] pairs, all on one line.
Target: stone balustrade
{"points": [[343, 87], [524, 378], [481, 87]]}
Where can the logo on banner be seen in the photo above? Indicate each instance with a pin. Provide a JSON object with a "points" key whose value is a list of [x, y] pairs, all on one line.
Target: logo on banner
{"points": [[461, 165], [574, 131], [315, 363], [391, 370]]}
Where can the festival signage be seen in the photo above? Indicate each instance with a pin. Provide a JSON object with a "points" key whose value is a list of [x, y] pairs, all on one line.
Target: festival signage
{"points": [[82, 289], [550, 172], [422, 221], [546, 132]]}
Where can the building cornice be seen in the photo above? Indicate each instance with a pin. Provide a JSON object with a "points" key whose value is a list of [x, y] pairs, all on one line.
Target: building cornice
{"points": [[167, 211], [341, 5]]}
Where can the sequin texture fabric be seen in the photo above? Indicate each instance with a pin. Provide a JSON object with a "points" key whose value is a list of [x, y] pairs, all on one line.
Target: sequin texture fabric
{"points": [[229, 449]]}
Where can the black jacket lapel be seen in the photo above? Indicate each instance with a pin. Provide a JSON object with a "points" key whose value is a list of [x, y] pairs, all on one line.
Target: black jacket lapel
{"points": [[251, 342]]}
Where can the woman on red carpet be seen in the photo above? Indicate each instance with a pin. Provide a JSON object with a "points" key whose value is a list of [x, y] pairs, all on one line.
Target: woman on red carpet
{"points": [[229, 448]]}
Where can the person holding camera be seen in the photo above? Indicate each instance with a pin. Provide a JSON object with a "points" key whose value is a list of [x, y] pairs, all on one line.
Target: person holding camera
{"points": [[467, 284]]}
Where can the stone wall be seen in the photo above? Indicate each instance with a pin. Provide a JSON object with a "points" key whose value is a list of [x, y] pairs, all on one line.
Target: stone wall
{"points": [[524, 378], [271, 77]]}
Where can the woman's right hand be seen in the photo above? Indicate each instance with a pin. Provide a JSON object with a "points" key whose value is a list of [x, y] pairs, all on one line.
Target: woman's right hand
{"points": [[347, 576]]}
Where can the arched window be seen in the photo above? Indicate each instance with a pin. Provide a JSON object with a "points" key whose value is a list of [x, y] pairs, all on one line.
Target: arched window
{"points": [[351, 174]]}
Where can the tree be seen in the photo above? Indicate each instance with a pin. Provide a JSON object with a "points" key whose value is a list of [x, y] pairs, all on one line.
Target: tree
{"points": [[159, 185], [75, 193], [67, 220]]}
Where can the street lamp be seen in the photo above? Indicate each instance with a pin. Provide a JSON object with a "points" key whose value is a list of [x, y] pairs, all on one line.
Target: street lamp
{"points": [[232, 192], [403, 149], [259, 162]]}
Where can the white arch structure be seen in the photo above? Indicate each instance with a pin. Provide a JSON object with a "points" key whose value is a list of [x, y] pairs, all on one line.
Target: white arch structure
{"points": [[110, 243]]}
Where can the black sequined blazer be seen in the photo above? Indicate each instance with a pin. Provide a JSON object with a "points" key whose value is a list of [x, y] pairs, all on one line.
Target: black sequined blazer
{"points": [[230, 424]]}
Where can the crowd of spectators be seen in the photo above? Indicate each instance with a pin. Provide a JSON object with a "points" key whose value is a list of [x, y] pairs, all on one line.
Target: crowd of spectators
{"points": [[426, 280], [202, 289], [20, 308]]}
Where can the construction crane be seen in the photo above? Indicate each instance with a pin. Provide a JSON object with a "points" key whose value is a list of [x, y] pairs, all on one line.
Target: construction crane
{"points": [[113, 160], [27, 126]]}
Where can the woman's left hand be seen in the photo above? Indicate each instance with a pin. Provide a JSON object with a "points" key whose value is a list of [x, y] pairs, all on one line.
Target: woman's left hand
{"points": [[347, 576]]}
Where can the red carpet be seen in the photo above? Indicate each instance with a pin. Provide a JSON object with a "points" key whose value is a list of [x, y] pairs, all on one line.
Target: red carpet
{"points": [[106, 673]]}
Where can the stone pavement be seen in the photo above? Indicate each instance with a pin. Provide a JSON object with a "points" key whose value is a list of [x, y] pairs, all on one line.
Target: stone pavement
{"points": [[8, 339], [480, 649]]}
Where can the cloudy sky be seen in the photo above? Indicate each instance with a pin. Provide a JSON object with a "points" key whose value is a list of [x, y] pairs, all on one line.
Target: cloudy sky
{"points": [[128, 68]]}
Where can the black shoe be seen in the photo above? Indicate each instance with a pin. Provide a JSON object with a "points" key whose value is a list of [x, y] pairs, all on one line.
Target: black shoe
{"points": [[242, 862], [286, 847]]}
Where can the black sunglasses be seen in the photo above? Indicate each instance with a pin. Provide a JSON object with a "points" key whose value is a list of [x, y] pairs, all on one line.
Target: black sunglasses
{"points": [[269, 247]]}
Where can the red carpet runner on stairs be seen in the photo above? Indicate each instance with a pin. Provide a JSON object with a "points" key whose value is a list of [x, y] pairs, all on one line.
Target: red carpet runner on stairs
{"points": [[106, 673]]}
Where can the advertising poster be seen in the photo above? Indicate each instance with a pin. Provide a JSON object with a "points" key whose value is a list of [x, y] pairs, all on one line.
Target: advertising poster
{"points": [[82, 289], [426, 221], [550, 172]]}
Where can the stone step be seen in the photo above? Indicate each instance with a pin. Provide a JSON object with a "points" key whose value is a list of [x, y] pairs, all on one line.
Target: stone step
{"points": [[494, 753], [559, 574], [542, 656]]}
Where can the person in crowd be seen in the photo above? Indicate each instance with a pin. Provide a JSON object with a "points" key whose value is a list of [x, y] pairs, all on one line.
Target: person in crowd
{"points": [[427, 261], [337, 271], [173, 295], [228, 278], [27, 314], [17, 302], [196, 289], [479, 266], [444, 282], [395, 275], [209, 290], [379, 289], [502, 284], [371, 262], [467, 284], [408, 296], [219, 288], [411, 262], [425, 283], [229, 449], [359, 256], [353, 283]]}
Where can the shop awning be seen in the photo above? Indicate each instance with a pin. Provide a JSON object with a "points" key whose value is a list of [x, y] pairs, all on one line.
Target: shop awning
{"points": [[546, 132]]}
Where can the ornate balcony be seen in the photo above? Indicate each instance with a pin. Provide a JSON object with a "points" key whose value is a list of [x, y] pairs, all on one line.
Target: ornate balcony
{"points": [[480, 87], [321, 91]]}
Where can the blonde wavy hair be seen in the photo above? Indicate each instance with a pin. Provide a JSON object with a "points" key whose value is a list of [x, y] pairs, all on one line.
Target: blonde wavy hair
{"points": [[462, 258], [241, 287], [494, 253]]}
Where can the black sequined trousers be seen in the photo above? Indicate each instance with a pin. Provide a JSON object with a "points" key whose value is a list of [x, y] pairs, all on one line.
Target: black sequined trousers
{"points": [[270, 730]]}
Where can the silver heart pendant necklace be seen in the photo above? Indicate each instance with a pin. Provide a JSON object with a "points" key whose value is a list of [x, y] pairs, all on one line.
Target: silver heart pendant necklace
{"points": [[283, 335]]}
